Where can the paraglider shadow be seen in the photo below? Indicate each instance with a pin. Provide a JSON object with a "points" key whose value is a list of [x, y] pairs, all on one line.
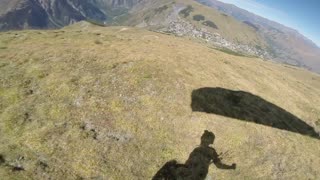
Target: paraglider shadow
{"points": [[245, 106]]}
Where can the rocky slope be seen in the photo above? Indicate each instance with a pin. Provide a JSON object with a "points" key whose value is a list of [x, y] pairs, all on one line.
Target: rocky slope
{"points": [[90, 102]]}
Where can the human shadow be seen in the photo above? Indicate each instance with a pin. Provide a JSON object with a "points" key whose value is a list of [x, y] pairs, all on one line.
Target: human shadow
{"points": [[248, 107], [197, 165]]}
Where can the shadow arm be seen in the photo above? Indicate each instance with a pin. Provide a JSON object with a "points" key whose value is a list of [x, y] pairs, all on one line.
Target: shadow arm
{"points": [[220, 165], [217, 162]]}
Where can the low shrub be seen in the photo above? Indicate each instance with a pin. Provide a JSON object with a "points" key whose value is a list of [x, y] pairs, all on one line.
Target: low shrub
{"points": [[198, 17], [210, 24], [161, 9], [186, 12]]}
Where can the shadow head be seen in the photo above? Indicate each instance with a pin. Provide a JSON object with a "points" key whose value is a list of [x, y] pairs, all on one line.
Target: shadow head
{"points": [[207, 138]]}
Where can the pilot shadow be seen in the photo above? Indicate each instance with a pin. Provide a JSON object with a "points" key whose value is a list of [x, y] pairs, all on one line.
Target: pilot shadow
{"points": [[197, 165]]}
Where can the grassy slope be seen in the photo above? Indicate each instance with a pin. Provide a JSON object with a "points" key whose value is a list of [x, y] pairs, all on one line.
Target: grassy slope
{"points": [[111, 102]]}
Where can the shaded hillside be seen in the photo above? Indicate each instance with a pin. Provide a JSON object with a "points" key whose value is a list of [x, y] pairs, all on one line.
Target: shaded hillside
{"points": [[26, 14], [285, 44], [89, 102]]}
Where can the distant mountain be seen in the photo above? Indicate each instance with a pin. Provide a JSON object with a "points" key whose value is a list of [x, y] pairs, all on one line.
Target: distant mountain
{"points": [[220, 25], [286, 44], [21, 14]]}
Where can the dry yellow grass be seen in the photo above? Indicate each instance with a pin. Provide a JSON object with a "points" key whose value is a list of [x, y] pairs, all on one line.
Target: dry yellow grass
{"points": [[119, 109]]}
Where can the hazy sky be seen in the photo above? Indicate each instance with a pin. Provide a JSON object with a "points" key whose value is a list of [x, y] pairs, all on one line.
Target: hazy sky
{"points": [[302, 15]]}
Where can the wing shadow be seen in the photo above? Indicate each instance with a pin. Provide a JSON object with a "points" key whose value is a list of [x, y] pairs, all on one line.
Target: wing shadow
{"points": [[248, 107]]}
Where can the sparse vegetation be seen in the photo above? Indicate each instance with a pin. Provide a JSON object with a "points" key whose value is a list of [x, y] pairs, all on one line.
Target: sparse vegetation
{"points": [[147, 76], [97, 23], [259, 47], [97, 42], [210, 24], [198, 17], [251, 25], [147, 18], [161, 9], [228, 51], [186, 12]]}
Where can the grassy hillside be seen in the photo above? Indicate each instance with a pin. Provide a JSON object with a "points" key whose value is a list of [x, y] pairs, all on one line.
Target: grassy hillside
{"points": [[116, 103], [160, 13], [227, 26]]}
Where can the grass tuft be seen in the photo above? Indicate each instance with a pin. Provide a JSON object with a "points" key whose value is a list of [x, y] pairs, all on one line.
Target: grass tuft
{"points": [[98, 42]]}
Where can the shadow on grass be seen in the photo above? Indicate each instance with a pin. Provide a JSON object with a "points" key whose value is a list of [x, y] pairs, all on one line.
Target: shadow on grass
{"points": [[248, 107], [197, 165]]}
